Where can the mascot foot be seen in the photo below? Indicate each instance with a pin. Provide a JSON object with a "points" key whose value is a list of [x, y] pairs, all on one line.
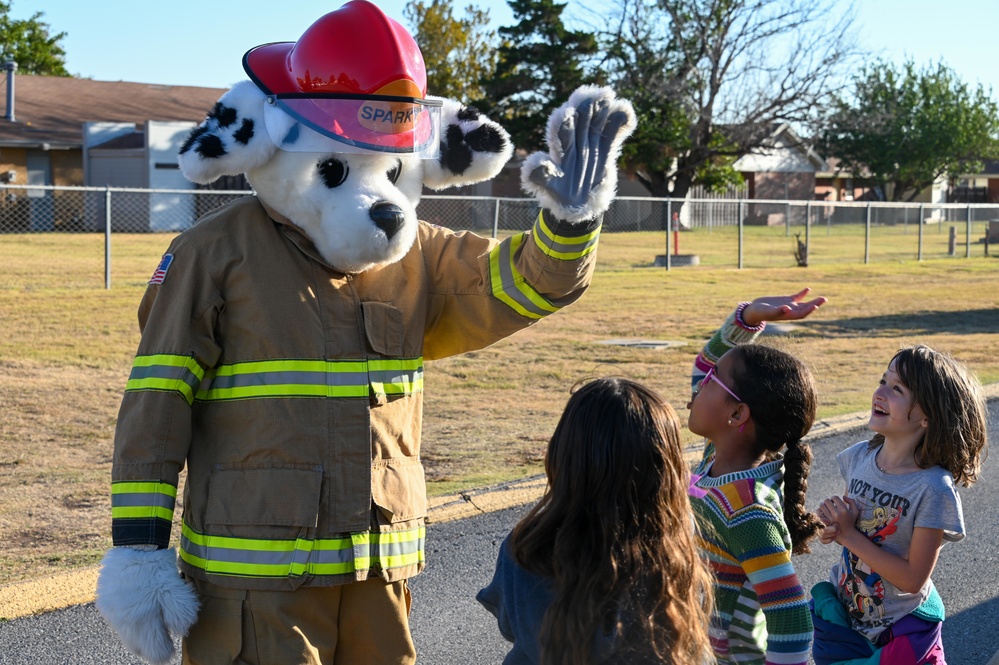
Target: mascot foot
{"points": [[144, 598]]}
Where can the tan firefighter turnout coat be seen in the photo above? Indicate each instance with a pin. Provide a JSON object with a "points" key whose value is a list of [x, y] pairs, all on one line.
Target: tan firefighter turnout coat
{"points": [[293, 393]]}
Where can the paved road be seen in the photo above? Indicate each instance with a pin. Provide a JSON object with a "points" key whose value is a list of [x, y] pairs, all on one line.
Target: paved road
{"points": [[451, 628]]}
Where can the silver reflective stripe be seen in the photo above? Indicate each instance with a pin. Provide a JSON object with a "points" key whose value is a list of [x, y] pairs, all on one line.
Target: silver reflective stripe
{"points": [[151, 499], [319, 378]]}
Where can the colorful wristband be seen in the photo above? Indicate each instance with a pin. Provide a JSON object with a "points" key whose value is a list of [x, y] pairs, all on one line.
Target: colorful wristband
{"points": [[742, 323]]}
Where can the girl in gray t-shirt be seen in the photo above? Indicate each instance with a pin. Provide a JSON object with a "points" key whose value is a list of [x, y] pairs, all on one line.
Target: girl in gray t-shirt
{"points": [[901, 505]]}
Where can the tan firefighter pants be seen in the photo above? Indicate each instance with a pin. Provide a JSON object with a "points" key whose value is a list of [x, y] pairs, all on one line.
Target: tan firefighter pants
{"points": [[355, 624]]}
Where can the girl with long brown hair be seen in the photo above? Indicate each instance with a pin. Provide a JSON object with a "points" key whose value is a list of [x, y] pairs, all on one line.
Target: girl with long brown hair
{"points": [[605, 568], [899, 507]]}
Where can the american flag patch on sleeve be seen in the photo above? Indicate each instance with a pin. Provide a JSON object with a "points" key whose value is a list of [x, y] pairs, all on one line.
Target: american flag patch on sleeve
{"points": [[161, 270]]}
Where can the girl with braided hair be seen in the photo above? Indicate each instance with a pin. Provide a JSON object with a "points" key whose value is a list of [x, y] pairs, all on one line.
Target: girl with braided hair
{"points": [[754, 404]]}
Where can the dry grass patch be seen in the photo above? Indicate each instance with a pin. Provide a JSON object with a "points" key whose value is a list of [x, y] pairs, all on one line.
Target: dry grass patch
{"points": [[67, 343]]}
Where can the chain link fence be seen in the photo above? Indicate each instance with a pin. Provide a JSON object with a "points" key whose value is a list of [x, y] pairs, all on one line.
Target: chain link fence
{"points": [[742, 233], [93, 209]]}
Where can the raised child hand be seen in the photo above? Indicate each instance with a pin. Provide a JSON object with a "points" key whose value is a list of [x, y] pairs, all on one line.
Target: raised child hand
{"points": [[781, 308]]}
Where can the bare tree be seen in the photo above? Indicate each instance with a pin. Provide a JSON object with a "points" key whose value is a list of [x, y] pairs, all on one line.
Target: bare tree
{"points": [[711, 79]]}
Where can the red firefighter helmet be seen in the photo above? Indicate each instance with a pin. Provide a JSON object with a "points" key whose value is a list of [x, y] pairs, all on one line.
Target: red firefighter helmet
{"points": [[355, 76]]}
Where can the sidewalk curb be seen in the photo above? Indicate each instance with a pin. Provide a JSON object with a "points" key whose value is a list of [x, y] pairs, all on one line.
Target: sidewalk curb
{"points": [[77, 587]]}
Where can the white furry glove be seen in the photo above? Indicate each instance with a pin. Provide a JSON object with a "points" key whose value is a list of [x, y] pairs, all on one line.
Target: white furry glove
{"points": [[577, 179], [144, 598]]}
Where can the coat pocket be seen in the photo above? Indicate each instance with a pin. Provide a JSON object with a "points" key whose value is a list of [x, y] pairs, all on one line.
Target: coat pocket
{"points": [[383, 328], [399, 489], [271, 496]]}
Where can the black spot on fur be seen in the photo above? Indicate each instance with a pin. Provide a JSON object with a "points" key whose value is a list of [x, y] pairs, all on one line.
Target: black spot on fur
{"points": [[485, 139], [210, 147], [455, 154], [245, 132], [224, 115], [192, 137], [333, 172], [468, 113]]}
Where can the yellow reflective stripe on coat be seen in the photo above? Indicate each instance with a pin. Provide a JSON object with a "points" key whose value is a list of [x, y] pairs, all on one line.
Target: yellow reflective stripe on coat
{"points": [[166, 372], [314, 378], [142, 499], [263, 558], [396, 377], [508, 284], [563, 247]]}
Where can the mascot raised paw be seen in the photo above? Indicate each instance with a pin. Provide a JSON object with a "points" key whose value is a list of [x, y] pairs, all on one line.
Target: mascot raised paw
{"points": [[284, 338]]}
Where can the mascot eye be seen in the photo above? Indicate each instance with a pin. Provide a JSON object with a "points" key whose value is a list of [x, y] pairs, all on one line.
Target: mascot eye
{"points": [[394, 172], [333, 171]]}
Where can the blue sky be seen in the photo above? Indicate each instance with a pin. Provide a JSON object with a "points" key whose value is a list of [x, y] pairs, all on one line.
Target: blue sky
{"points": [[183, 42]]}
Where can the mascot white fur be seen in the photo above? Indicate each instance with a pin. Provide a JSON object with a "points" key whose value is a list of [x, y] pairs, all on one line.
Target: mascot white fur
{"points": [[283, 341]]}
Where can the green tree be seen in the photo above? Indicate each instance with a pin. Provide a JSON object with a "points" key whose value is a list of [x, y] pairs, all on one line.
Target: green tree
{"points": [[541, 62], [30, 44], [458, 53], [907, 127], [710, 79]]}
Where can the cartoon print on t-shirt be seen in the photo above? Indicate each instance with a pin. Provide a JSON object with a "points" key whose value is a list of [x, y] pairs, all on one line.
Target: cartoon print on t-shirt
{"points": [[862, 587]]}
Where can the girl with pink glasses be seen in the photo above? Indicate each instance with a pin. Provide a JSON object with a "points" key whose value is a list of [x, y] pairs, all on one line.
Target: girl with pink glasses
{"points": [[754, 404]]}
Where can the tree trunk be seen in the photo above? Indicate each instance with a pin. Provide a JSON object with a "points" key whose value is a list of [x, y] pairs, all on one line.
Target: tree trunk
{"points": [[656, 183]]}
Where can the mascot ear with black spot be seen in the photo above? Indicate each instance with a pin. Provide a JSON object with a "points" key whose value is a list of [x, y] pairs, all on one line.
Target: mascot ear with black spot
{"points": [[473, 148], [231, 140]]}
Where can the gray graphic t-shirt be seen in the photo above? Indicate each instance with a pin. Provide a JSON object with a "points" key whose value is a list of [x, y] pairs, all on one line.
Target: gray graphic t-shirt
{"points": [[891, 506]]}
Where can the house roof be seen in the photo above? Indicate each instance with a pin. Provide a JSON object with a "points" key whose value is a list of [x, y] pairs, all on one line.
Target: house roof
{"points": [[49, 111], [772, 136], [806, 147]]}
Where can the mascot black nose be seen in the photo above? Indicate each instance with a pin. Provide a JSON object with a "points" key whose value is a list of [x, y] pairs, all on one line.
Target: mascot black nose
{"points": [[388, 217]]}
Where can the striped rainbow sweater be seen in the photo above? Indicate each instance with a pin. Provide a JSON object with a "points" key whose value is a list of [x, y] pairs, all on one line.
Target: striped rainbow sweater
{"points": [[761, 611]]}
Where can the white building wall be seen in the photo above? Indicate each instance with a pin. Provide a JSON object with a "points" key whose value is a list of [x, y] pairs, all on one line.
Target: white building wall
{"points": [[168, 212], [782, 158], [95, 133]]}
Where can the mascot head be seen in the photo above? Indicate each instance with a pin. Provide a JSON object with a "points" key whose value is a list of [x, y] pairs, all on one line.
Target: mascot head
{"points": [[337, 134]]}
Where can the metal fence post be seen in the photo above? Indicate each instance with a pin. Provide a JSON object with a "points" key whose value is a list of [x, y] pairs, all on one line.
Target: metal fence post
{"points": [[787, 220], [967, 252], [107, 237], [867, 236], [669, 228], [496, 219], [919, 221], [808, 230], [739, 220]]}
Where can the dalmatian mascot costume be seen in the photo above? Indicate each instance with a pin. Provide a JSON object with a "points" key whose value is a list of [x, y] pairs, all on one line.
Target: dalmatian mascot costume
{"points": [[284, 338]]}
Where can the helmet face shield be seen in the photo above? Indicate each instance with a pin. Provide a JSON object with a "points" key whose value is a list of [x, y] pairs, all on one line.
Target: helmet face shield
{"points": [[354, 123]]}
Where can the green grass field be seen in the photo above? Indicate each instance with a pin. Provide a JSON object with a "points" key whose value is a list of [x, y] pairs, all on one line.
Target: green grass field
{"points": [[67, 343]]}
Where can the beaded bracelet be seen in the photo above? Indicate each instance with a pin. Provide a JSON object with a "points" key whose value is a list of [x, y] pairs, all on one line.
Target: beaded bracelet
{"points": [[742, 323]]}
